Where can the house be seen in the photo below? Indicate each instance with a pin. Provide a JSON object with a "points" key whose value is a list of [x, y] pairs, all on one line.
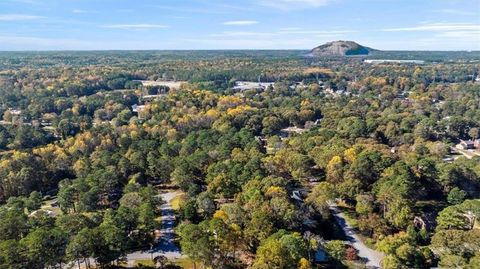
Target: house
{"points": [[54, 203], [285, 132], [468, 144], [151, 97], [137, 108], [311, 124], [45, 123], [329, 91], [297, 196], [298, 85], [448, 159], [427, 221], [15, 112], [476, 143]]}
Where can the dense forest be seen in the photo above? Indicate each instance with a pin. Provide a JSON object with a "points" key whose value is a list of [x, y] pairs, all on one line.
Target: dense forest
{"points": [[259, 172]]}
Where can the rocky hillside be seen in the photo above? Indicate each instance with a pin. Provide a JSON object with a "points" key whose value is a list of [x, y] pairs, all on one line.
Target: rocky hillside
{"points": [[340, 48]]}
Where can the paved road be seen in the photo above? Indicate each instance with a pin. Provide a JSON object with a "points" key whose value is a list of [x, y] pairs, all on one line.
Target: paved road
{"points": [[372, 257], [165, 246]]}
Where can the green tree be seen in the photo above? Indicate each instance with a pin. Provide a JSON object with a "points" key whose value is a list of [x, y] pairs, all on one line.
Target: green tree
{"points": [[336, 249], [364, 204], [13, 255], [82, 246], [320, 195], [66, 197], [456, 196], [34, 201], [451, 218], [196, 243], [46, 247], [280, 250], [13, 224]]}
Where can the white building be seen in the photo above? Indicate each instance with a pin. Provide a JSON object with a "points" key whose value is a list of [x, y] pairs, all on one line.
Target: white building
{"points": [[251, 85], [383, 61], [138, 108]]}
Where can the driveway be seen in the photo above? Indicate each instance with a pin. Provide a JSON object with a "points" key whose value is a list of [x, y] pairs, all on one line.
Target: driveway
{"points": [[165, 245], [373, 258]]}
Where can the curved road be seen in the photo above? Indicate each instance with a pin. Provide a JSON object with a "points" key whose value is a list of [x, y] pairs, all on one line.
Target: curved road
{"points": [[373, 258], [166, 245]]}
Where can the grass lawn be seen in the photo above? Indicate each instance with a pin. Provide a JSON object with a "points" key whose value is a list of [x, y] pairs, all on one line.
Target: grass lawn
{"points": [[350, 215], [184, 263], [144, 262], [47, 206], [355, 265], [430, 205], [175, 202]]}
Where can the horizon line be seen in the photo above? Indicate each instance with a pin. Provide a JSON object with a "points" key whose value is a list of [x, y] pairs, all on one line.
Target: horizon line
{"points": [[239, 49]]}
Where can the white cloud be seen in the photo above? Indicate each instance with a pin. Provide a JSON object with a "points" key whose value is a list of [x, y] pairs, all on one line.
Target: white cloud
{"points": [[462, 34], [290, 33], [240, 23], [19, 17], [437, 27], [254, 43], [141, 26], [79, 11], [38, 43], [315, 32], [20, 43], [284, 38], [455, 12], [295, 4], [452, 36], [291, 29], [242, 34]]}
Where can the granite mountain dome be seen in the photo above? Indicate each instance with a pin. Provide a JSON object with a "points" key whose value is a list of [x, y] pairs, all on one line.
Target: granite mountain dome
{"points": [[340, 48]]}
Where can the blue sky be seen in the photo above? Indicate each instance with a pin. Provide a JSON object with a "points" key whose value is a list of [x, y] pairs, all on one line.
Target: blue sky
{"points": [[235, 24]]}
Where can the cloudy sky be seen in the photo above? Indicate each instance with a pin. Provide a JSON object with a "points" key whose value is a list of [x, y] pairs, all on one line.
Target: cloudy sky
{"points": [[238, 24]]}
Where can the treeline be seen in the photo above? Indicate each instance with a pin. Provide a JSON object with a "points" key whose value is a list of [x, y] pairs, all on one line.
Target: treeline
{"points": [[377, 139]]}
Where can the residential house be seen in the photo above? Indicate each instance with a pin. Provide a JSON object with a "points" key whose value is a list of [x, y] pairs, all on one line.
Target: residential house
{"points": [[466, 144]]}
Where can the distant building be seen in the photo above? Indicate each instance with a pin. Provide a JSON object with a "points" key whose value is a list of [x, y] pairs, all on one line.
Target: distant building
{"points": [[164, 83], [297, 195], [427, 221], [448, 159], [137, 108], [251, 85], [285, 132], [15, 111], [383, 61], [45, 123], [299, 85], [311, 124], [330, 91], [151, 97]]}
